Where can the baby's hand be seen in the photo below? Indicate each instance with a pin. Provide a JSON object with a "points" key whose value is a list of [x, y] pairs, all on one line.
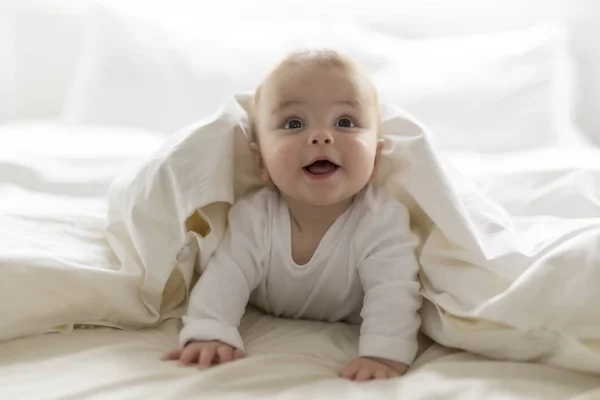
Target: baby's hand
{"points": [[367, 368], [205, 354]]}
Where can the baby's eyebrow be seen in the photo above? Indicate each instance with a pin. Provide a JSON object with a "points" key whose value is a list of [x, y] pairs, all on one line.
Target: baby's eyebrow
{"points": [[354, 103], [351, 103], [284, 104]]}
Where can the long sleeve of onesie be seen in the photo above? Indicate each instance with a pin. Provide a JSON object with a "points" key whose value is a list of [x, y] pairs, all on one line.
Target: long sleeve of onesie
{"points": [[219, 298], [388, 273]]}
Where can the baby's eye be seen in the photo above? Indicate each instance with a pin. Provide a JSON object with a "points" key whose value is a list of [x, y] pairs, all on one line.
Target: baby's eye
{"points": [[345, 123], [293, 124]]}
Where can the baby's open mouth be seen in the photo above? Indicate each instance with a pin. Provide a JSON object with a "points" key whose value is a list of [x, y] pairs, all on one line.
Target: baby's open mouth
{"points": [[321, 167]]}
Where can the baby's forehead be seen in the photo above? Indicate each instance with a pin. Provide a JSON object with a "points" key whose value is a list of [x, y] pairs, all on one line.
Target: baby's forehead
{"points": [[344, 82]]}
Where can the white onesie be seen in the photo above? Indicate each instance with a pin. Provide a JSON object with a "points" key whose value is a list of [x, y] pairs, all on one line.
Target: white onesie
{"points": [[363, 271]]}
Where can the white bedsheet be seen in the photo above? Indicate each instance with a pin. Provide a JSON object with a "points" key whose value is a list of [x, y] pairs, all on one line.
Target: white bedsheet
{"points": [[52, 215], [55, 265], [286, 360]]}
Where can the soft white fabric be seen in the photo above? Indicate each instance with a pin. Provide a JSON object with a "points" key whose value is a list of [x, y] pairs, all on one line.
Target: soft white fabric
{"points": [[56, 267], [364, 271], [7, 67], [494, 92], [428, 19], [533, 183], [287, 359], [41, 45], [495, 284]]}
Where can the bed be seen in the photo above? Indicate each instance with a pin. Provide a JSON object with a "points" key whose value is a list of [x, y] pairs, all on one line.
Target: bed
{"points": [[287, 359], [293, 361], [82, 115]]}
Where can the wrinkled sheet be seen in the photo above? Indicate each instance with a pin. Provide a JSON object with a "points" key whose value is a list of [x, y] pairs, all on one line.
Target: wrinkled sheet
{"points": [[56, 268], [53, 205], [286, 360], [542, 282], [512, 286]]}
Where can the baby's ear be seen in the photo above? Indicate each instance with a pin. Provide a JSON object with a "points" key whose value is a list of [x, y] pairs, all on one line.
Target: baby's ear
{"points": [[380, 143], [262, 168]]}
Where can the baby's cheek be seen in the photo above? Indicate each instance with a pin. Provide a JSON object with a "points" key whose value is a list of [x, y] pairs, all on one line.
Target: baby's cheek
{"points": [[363, 157], [281, 170], [280, 163], [284, 156]]}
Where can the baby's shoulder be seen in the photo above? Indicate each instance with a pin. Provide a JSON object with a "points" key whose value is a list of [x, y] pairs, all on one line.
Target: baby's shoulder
{"points": [[254, 207], [378, 199], [377, 207], [383, 222]]}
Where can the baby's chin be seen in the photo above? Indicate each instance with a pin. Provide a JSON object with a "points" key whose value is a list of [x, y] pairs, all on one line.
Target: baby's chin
{"points": [[323, 199], [318, 195]]}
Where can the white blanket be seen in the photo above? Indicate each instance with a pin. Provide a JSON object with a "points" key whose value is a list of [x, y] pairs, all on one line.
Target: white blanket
{"points": [[56, 268], [66, 171], [511, 287]]}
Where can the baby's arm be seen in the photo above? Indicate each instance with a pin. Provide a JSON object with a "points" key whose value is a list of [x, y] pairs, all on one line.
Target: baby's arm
{"points": [[219, 299], [389, 278]]}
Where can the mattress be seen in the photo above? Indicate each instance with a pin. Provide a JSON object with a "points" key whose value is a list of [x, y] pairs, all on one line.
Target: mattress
{"points": [[53, 181]]}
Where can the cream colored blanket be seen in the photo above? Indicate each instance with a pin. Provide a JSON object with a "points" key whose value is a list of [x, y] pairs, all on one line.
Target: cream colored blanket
{"points": [[520, 286], [509, 287]]}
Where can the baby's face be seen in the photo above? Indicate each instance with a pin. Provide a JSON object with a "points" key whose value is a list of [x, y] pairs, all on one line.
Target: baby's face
{"points": [[318, 132]]}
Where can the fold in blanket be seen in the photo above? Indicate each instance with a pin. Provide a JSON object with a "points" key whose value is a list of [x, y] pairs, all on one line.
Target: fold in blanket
{"points": [[502, 286]]}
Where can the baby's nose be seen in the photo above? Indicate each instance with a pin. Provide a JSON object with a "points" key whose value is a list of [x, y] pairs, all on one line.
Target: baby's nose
{"points": [[321, 137]]}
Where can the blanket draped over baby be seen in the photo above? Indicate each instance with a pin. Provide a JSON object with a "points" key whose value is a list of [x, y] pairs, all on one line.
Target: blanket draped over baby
{"points": [[508, 287]]}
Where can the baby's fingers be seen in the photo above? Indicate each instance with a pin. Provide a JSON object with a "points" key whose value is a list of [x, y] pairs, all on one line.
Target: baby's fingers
{"points": [[189, 355], [237, 354], [225, 354], [382, 373], [349, 372], [172, 355], [207, 355], [364, 374]]}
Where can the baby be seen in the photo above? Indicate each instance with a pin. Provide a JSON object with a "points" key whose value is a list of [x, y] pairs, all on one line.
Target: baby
{"points": [[321, 242]]}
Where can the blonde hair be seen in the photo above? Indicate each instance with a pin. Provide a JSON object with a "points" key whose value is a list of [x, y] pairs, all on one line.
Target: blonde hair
{"points": [[323, 57]]}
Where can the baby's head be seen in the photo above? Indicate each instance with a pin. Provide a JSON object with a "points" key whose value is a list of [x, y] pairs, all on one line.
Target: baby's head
{"points": [[316, 127]]}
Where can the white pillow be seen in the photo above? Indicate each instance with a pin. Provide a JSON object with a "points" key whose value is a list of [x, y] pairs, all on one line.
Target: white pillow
{"points": [[495, 92], [166, 74], [490, 93]]}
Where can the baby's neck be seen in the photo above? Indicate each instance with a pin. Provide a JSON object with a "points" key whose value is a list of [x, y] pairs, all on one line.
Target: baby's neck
{"points": [[307, 217]]}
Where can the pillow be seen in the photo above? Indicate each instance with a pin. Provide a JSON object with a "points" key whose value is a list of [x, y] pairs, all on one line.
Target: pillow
{"points": [[148, 72], [489, 93], [496, 92]]}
